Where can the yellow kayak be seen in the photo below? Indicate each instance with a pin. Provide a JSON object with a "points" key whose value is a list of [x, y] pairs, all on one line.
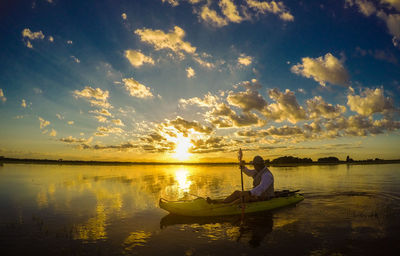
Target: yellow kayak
{"points": [[200, 206]]}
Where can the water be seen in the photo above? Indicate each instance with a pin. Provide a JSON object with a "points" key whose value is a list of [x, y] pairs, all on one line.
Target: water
{"points": [[113, 210]]}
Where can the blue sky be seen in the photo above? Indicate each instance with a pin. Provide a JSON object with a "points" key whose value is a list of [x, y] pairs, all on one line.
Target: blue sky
{"points": [[193, 80]]}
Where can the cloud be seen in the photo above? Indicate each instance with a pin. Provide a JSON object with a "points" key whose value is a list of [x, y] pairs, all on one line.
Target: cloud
{"points": [[2, 97], [70, 122], [137, 89], [323, 69], [285, 108], [393, 3], [211, 144], [230, 11], [105, 131], [71, 139], [223, 117], [391, 19], [117, 122], [101, 119], [211, 17], [161, 40], [245, 60], [23, 104], [96, 96], [103, 112], [365, 7], [248, 100], [51, 39], [171, 2], [317, 108], [378, 54], [183, 126], [393, 25], [284, 131], [53, 133], [190, 72], [370, 102], [137, 59], [274, 7], [121, 147], [124, 16], [75, 59], [28, 34], [70, 42], [208, 101], [203, 63], [43, 123], [32, 35]]}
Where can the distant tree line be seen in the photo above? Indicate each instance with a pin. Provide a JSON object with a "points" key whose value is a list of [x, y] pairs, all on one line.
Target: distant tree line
{"points": [[330, 159]]}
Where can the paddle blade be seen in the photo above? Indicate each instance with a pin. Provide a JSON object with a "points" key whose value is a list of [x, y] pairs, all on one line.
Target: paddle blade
{"points": [[240, 155]]}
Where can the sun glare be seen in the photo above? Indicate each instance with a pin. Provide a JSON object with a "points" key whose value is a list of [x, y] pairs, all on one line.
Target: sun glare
{"points": [[182, 148]]}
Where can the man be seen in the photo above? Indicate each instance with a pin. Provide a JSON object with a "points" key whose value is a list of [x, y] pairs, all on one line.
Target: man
{"points": [[263, 184]]}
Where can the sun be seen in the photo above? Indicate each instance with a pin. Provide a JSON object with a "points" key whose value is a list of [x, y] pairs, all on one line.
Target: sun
{"points": [[182, 148]]}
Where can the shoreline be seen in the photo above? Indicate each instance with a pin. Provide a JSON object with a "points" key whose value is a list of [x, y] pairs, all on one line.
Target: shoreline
{"points": [[110, 163]]}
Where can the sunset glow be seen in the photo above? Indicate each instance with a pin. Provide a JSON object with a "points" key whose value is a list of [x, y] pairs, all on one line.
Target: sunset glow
{"points": [[194, 81]]}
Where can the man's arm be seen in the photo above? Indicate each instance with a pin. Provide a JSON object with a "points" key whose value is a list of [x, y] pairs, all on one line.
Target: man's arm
{"points": [[248, 172]]}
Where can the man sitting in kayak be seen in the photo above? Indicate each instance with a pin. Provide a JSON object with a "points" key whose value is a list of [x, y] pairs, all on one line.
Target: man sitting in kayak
{"points": [[263, 184]]}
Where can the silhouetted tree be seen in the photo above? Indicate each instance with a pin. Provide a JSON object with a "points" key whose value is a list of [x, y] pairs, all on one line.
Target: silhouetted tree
{"points": [[330, 159]]}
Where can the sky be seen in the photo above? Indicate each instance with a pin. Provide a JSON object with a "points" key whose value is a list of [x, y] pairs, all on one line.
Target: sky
{"points": [[195, 80]]}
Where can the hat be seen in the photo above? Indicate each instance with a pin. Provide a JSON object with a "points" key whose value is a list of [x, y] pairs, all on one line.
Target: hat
{"points": [[258, 160]]}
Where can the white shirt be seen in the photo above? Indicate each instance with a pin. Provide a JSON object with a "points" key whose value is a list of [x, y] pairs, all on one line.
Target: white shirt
{"points": [[267, 179]]}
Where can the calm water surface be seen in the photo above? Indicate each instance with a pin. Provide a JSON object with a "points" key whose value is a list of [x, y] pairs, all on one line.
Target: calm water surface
{"points": [[113, 210]]}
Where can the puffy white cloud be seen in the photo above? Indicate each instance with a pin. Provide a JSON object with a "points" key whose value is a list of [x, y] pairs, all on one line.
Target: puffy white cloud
{"points": [[23, 104], [101, 119], [223, 116], [245, 60], [137, 59], [117, 122], [284, 131], [105, 131], [209, 101], [43, 123], [70, 42], [59, 116], [103, 112], [230, 11], [137, 89], [370, 102], [70, 122], [161, 40], [90, 92], [32, 35], [124, 16], [211, 17], [2, 97], [190, 72], [96, 96], [285, 108], [323, 69], [248, 100], [184, 126], [317, 107], [274, 7], [53, 133], [51, 39]]}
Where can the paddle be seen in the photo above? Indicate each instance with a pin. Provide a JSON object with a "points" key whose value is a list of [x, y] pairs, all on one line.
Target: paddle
{"points": [[240, 156]]}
